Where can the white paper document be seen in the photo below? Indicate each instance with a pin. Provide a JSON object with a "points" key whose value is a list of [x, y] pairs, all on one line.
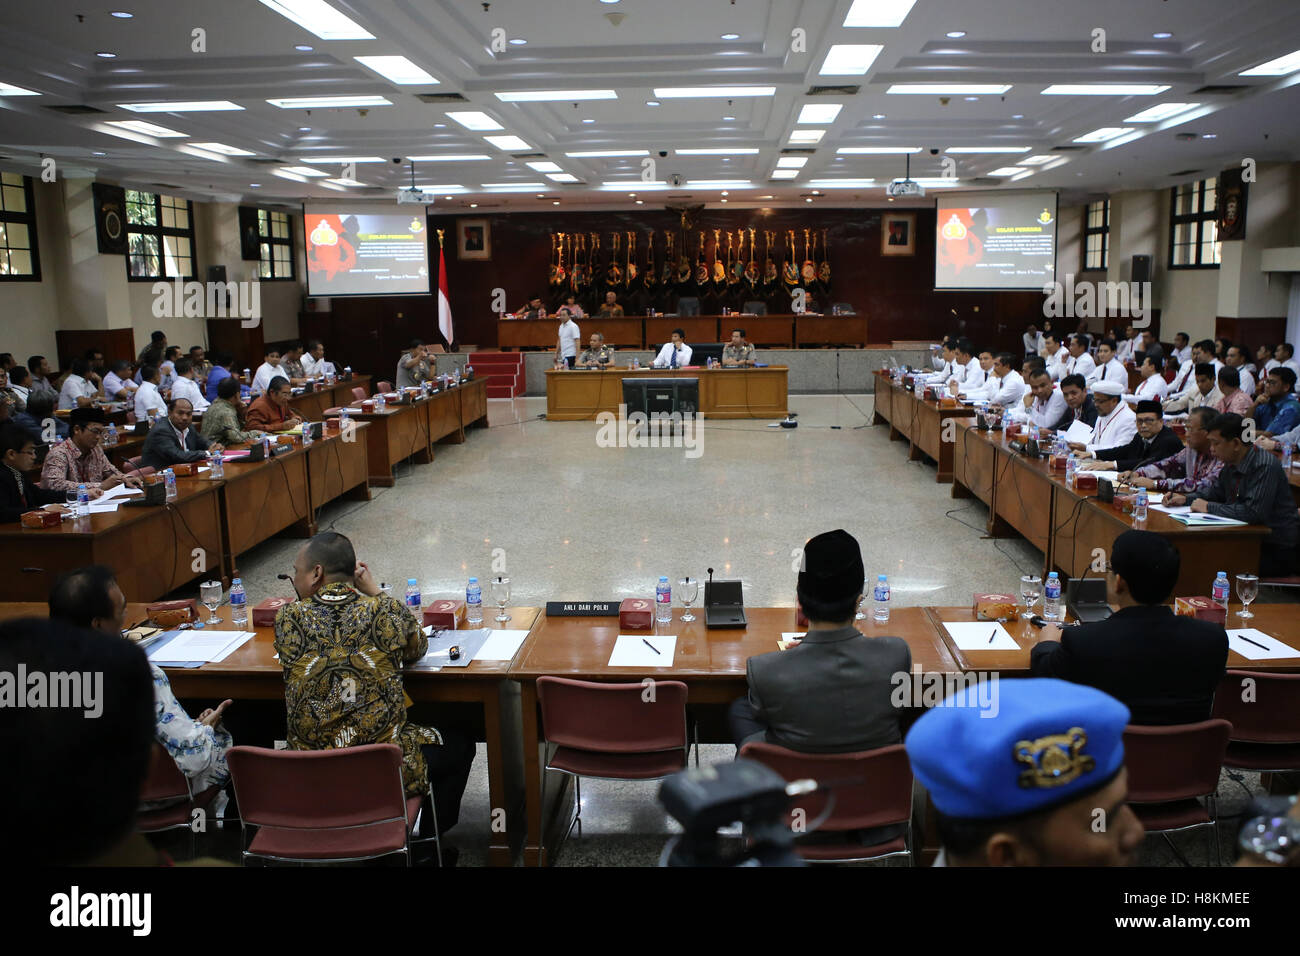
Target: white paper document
{"points": [[101, 506], [118, 491], [1111, 476], [1079, 431], [793, 635], [651, 650], [1173, 509], [501, 646], [1239, 640], [975, 636], [210, 647]]}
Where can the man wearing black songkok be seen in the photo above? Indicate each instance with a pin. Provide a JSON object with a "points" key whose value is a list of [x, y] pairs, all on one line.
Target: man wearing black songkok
{"points": [[1154, 441]]}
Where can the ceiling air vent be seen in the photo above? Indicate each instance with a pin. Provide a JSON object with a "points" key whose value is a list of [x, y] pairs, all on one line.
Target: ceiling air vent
{"points": [[76, 109], [833, 90], [1067, 149], [797, 151], [1184, 172], [528, 155], [1220, 89], [440, 98]]}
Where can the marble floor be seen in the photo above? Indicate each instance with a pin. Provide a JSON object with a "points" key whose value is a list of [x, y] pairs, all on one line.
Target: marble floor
{"points": [[580, 521]]}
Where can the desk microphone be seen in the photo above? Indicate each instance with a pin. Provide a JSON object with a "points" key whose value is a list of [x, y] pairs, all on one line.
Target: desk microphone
{"points": [[285, 577], [710, 575]]}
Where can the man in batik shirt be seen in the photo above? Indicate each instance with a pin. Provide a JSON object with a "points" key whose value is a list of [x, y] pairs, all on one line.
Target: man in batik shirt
{"points": [[1191, 470]]}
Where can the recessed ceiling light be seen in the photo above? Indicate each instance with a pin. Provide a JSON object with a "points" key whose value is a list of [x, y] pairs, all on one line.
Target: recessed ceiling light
{"points": [[878, 13], [877, 150], [474, 120], [841, 183], [555, 202], [548, 96], [8, 90], [729, 92], [814, 113], [1209, 136], [1161, 36], [730, 36], [121, 14], [544, 166], [562, 177], [517, 41], [642, 186], [190, 106], [106, 55], [850, 59], [397, 69], [1017, 115], [651, 102], [640, 202], [1036, 160], [987, 149], [439, 125], [1007, 171], [784, 173], [285, 174], [603, 153], [327, 102], [98, 153], [345, 182], [473, 205], [509, 144], [1104, 89], [342, 160], [442, 187], [149, 129], [718, 151], [955, 34], [1281, 66], [806, 136], [318, 17], [728, 119], [971, 99], [221, 148], [791, 162], [609, 1], [304, 171], [809, 199], [1157, 113], [1023, 174], [949, 89], [1104, 134], [303, 48], [254, 185], [589, 121]]}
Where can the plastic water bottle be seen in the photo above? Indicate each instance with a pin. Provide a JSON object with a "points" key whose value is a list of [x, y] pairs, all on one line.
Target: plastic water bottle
{"points": [[1140, 507], [238, 603], [343, 416], [110, 437], [1286, 456], [473, 602], [1071, 471], [216, 465], [1052, 597], [169, 479], [347, 373], [248, 376], [83, 501], [469, 373], [306, 433], [880, 598], [266, 446], [663, 601], [379, 401], [413, 602], [1220, 590]]}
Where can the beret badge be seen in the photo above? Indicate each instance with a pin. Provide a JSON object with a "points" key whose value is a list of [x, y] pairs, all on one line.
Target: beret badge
{"points": [[1054, 760]]}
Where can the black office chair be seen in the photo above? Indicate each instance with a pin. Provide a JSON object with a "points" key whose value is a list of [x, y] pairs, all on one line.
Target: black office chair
{"points": [[688, 305], [757, 308], [843, 308], [700, 354]]}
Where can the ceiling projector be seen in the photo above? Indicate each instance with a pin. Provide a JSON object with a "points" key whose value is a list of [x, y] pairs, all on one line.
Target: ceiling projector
{"points": [[412, 194], [905, 188]]}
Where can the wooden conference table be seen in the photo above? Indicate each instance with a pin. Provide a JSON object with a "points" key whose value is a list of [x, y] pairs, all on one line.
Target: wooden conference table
{"points": [[580, 394], [712, 664], [156, 549], [642, 331], [409, 430], [924, 423]]}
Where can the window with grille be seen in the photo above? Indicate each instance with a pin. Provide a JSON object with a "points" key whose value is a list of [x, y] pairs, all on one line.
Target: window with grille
{"points": [[19, 259], [1193, 226], [1096, 235], [159, 235], [275, 245]]}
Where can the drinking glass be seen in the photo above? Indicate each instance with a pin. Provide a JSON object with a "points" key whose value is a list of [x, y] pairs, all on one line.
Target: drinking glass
{"points": [[1247, 591], [71, 497], [501, 596], [210, 595], [1031, 589], [862, 604], [689, 590]]}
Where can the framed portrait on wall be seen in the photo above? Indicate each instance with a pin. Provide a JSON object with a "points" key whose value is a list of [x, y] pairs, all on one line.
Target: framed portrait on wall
{"points": [[473, 239], [898, 234]]}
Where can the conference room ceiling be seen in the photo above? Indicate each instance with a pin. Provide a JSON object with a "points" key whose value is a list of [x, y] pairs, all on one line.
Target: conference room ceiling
{"points": [[250, 55]]}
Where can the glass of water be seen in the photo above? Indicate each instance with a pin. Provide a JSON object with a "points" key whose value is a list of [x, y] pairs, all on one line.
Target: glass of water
{"points": [[501, 596], [1247, 591], [210, 595], [862, 608], [1031, 589], [689, 591]]}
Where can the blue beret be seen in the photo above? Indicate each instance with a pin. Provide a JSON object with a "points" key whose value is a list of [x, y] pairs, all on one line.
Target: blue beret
{"points": [[1042, 743]]}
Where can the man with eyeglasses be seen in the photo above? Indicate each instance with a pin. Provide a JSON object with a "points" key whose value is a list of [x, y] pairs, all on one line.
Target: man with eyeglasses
{"points": [[1154, 441], [79, 459], [1190, 469]]}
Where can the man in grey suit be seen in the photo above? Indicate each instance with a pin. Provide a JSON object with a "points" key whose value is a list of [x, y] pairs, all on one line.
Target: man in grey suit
{"points": [[831, 693], [175, 441]]}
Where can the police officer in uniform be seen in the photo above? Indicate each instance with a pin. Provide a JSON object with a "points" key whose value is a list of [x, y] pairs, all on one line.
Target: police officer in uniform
{"points": [[597, 354], [738, 352]]}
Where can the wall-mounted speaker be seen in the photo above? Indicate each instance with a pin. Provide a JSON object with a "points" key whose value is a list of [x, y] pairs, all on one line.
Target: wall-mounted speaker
{"points": [[1141, 269]]}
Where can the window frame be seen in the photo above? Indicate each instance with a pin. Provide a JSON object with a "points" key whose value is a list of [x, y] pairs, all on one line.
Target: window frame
{"points": [[28, 219], [161, 233], [271, 242], [1103, 230], [1196, 222]]}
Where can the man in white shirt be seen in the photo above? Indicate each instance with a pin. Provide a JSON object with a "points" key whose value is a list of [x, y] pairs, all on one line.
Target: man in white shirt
{"points": [[186, 387], [1204, 391], [313, 360], [974, 385], [946, 359], [147, 395], [268, 370], [1264, 359], [1127, 347], [1182, 347], [1079, 362], [1108, 368], [1043, 405], [1033, 339], [1056, 356], [118, 385], [1116, 422], [1236, 358], [1285, 355], [674, 354], [1153, 386], [566, 341], [1005, 388], [962, 360], [81, 387]]}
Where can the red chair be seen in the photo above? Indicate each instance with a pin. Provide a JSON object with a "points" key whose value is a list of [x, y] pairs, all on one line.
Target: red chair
{"points": [[166, 782], [325, 806], [1265, 727], [1169, 770], [868, 789], [612, 731], [385, 387], [359, 393]]}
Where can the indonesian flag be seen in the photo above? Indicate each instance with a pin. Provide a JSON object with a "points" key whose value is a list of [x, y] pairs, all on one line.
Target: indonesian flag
{"points": [[444, 304]]}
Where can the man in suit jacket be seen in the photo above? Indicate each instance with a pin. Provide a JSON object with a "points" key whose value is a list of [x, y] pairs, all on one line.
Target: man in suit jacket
{"points": [[1164, 668], [1154, 441], [174, 441], [831, 693]]}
